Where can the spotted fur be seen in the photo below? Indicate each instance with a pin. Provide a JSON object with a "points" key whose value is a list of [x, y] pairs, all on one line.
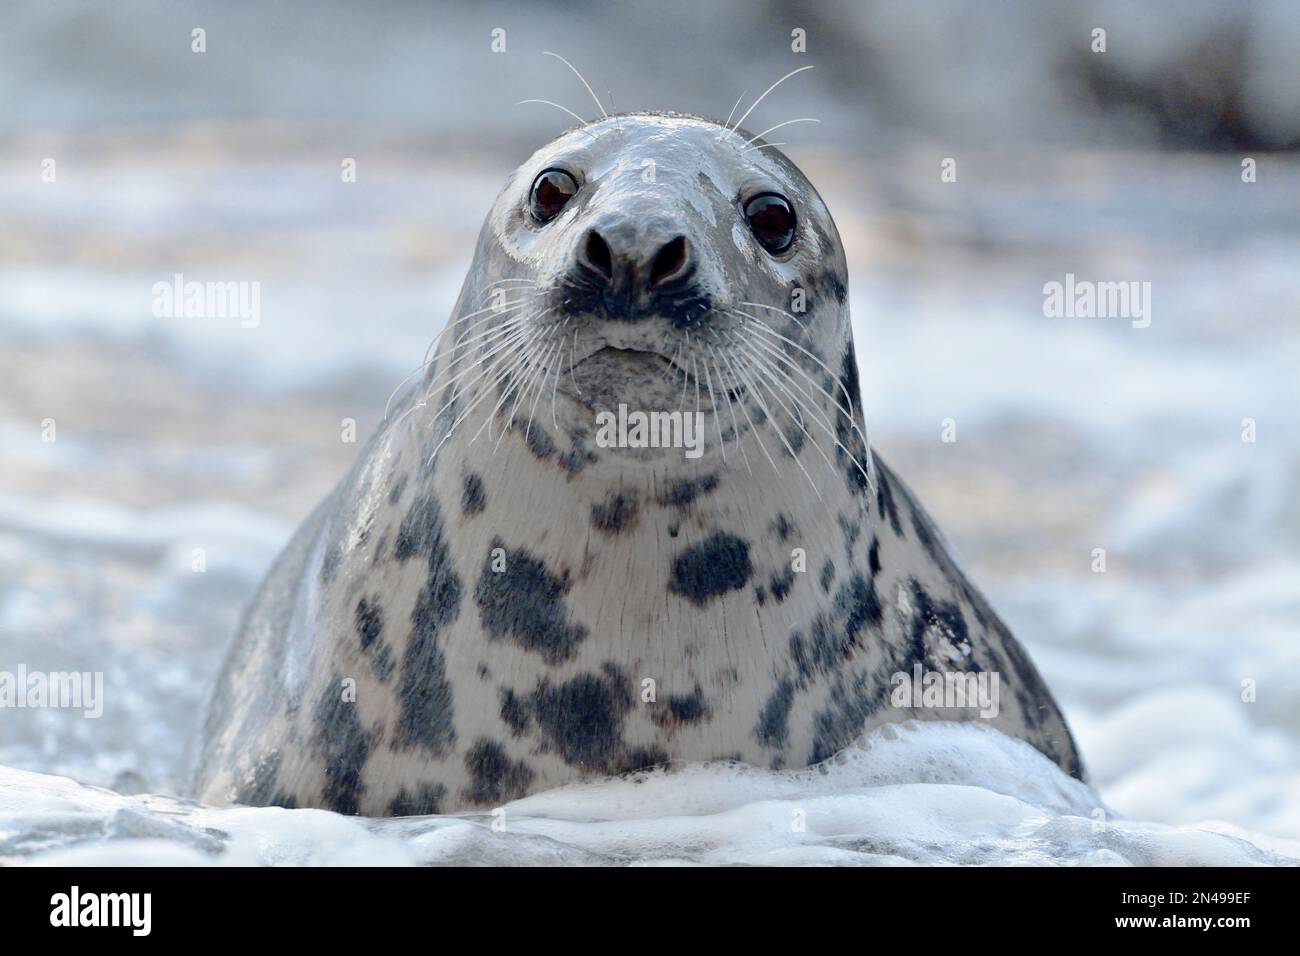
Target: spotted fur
{"points": [[470, 618]]}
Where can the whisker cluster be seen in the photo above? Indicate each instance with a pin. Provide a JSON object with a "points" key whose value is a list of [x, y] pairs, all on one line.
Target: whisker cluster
{"points": [[770, 366], [518, 355]]}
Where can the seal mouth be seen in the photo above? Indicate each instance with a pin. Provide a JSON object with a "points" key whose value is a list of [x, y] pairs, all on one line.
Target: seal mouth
{"points": [[646, 371], [652, 357]]}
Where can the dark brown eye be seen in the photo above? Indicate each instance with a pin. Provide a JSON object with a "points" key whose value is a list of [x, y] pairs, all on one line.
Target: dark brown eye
{"points": [[771, 219], [551, 191]]}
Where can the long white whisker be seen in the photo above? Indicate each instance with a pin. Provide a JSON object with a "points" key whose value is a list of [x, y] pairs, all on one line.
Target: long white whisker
{"points": [[869, 472], [760, 326], [764, 96], [731, 404], [506, 365], [525, 384], [713, 400], [559, 363], [582, 123], [494, 341], [798, 419], [804, 401], [466, 339], [580, 79], [479, 316], [572, 376], [789, 315], [727, 124], [429, 358], [515, 335], [695, 374], [752, 427], [541, 385], [749, 378], [804, 119], [686, 378], [515, 368]]}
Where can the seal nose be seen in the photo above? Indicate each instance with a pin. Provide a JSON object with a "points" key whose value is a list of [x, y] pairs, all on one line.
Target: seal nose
{"points": [[624, 269], [671, 263]]}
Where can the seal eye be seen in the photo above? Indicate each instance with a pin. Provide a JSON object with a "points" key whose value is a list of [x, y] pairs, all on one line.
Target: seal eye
{"points": [[551, 192], [771, 219]]}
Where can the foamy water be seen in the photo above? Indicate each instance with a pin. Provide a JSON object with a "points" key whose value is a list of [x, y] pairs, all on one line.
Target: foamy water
{"points": [[910, 794]]}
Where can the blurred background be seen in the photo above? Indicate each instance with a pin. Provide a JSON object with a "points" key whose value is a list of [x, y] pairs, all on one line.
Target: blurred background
{"points": [[177, 434]]}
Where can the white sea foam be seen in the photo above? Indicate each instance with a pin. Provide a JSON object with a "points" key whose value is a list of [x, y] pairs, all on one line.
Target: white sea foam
{"points": [[911, 794]]}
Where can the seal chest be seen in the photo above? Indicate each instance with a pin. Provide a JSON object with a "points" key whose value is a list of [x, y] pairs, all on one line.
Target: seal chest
{"points": [[626, 516]]}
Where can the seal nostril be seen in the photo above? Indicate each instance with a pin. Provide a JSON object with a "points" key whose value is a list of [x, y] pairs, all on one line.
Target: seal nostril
{"points": [[597, 255], [670, 263]]}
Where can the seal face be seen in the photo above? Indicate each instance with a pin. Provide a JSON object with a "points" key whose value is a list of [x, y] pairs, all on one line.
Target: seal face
{"points": [[535, 573]]}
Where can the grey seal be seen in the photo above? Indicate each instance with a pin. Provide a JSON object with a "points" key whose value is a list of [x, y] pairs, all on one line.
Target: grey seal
{"points": [[528, 579]]}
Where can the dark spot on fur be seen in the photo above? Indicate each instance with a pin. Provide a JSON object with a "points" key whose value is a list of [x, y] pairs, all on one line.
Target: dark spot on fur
{"points": [[526, 602], [582, 719], [795, 437], [781, 584], [674, 529], [369, 621], [824, 284], [616, 513], [577, 457], [494, 777], [773, 727], [834, 635], [944, 617], [783, 527], [851, 530], [683, 708], [420, 526], [854, 460], [539, 443], [381, 662], [515, 711], [643, 758], [717, 565], [841, 722], [542, 446], [426, 800], [873, 556], [925, 535], [681, 492], [344, 746], [425, 693], [329, 565], [472, 497], [885, 501], [827, 576]]}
